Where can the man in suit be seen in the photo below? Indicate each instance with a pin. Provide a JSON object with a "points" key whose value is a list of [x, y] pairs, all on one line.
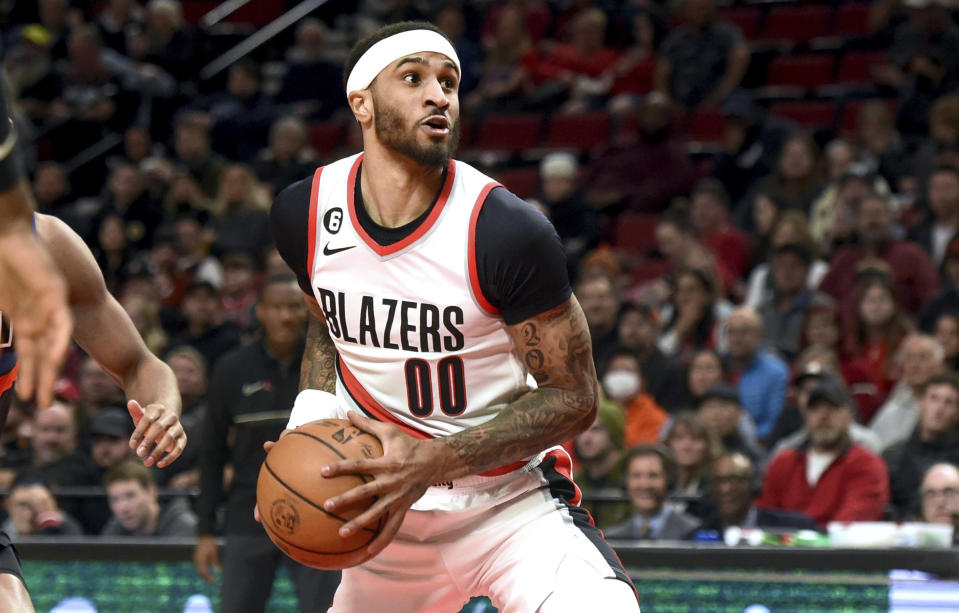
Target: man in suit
{"points": [[648, 468], [732, 486]]}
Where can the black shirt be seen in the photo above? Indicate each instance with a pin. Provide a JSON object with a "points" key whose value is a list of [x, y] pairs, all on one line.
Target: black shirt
{"points": [[520, 259], [252, 393]]}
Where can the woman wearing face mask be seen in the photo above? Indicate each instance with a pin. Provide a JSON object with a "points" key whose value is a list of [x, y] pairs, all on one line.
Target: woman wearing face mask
{"points": [[645, 419]]}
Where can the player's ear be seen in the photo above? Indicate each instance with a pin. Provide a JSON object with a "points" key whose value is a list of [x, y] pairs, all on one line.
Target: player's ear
{"points": [[361, 103]]}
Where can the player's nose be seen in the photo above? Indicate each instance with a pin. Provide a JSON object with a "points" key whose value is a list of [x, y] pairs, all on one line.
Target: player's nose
{"points": [[436, 95]]}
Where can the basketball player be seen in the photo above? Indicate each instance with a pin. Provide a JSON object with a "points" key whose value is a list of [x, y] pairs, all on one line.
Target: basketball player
{"points": [[435, 294], [31, 290], [105, 331]]}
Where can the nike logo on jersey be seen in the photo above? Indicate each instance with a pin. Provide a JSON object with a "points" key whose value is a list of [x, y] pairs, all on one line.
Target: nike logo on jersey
{"points": [[328, 251], [248, 389]]}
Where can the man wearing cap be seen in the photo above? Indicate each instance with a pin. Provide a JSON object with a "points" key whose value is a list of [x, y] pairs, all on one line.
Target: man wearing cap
{"points": [[438, 297], [829, 478]]}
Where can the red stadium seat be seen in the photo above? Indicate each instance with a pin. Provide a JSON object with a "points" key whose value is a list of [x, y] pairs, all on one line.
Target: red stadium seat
{"points": [[804, 71], [325, 136], [747, 19], [511, 133], [808, 115], [524, 182], [258, 13], [581, 131], [194, 10], [855, 66], [850, 115], [852, 19], [796, 24], [707, 126], [635, 233]]}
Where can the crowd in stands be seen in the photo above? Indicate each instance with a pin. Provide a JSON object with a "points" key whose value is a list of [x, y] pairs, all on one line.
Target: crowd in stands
{"points": [[760, 222]]}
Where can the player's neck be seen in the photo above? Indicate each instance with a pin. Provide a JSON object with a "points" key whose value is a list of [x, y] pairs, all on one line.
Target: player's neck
{"points": [[395, 189]]}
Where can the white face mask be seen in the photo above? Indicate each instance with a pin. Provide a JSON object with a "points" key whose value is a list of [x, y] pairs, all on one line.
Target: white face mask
{"points": [[621, 383]]}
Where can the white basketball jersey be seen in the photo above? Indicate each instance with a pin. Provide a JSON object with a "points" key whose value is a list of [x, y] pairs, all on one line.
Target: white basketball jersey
{"points": [[418, 344]]}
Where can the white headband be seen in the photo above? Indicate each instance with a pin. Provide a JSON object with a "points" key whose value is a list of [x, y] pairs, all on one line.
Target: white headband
{"points": [[392, 48]]}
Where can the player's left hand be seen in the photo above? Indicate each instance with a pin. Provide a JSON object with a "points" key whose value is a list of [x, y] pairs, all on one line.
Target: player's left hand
{"points": [[156, 425], [401, 475]]}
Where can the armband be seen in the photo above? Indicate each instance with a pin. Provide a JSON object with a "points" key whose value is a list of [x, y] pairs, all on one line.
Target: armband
{"points": [[311, 405]]}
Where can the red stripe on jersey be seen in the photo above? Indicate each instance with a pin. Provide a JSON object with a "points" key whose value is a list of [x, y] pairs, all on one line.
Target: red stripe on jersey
{"points": [[371, 406], [481, 300], [314, 208], [564, 466], [7, 379], [385, 250]]}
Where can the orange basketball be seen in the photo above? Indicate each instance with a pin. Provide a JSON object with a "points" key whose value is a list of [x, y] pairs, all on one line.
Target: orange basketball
{"points": [[290, 493]]}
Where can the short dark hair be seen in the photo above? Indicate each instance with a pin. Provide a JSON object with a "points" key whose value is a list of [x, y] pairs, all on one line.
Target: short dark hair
{"points": [[364, 44], [129, 470], [28, 477], [280, 278], [648, 450], [950, 378]]}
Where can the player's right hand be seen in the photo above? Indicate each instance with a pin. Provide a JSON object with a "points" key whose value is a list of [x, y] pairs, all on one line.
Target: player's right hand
{"points": [[34, 295], [206, 556]]}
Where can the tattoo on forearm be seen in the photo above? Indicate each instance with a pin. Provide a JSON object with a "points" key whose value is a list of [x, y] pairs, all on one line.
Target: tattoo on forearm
{"points": [[318, 370], [557, 350]]}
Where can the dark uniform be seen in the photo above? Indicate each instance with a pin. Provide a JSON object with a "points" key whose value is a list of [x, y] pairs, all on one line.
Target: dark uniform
{"points": [[250, 397]]}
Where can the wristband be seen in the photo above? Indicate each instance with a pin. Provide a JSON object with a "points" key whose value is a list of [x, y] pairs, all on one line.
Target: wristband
{"points": [[311, 405]]}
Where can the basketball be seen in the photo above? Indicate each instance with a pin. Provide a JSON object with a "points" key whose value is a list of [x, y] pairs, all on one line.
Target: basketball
{"points": [[290, 492]]}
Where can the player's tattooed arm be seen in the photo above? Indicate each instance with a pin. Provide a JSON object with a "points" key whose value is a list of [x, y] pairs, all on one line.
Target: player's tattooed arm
{"points": [[556, 348], [318, 370]]}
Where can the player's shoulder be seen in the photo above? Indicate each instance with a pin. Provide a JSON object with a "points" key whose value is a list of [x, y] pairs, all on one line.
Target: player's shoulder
{"points": [[511, 216]]}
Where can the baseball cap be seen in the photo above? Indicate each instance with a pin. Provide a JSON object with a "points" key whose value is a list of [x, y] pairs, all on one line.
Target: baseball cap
{"points": [[112, 421], [559, 164], [832, 391], [721, 391]]}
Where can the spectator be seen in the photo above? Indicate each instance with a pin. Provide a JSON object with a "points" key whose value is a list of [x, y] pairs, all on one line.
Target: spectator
{"points": [[132, 494], [241, 280], [51, 188], [880, 143], [765, 215], [720, 410], [648, 469], [693, 447], [702, 61], [33, 511], [30, 72], [816, 365], [913, 275], [190, 370], [116, 18], [623, 384], [791, 228], [681, 250], [111, 429], [191, 144], [145, 315], [207, 330], [288, 158], [934, 439], [251, 393], [126, 197], [599, 450], [600, 301], [946, 331], [762, 377], [697, 317], [834, 220], [784, 312], [919, 357], [948, 297], [706, 369], [112, 252], [97, 389], [873, 338], [796, 180], [663, 376], [194, 238], [309, 71], [630, 78], [940, 495], [240, 213], [613, 183], [167, 41], [504, 78], [732, 487], [830, 478], [709, 215], [942, 222], [452, 21], [574, 220]]}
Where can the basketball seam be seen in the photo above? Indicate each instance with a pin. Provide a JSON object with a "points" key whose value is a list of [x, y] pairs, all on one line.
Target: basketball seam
{"points": [[330, 447], [322, 553], [307, 500]]}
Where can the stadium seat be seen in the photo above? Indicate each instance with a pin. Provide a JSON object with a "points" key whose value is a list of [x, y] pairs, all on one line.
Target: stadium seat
{"points": [[707, 126], [855, 66], [747, 19], [635, 233], [850, 115], [852, 19], [813, 115], [796, 24], [325, 136], [257, 13], [510, 133], [582, 131], [806, 72], [524, 182]]}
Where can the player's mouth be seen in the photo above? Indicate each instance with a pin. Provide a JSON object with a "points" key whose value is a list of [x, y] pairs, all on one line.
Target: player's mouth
{"points": [[436, 125]]}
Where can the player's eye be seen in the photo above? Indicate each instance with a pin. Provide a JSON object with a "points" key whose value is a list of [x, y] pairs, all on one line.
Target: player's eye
{"points": [[448, 83], [411, 77]]}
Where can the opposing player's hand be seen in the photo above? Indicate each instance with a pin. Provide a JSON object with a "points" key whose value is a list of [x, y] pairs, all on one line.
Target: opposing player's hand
{"points": [[401, 475], [159, 428], [206, 558], [34, 296]]}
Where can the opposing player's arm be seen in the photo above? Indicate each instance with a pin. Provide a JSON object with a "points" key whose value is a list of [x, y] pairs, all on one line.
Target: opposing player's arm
{"points": [[104, 330], [556, 348], [318, 370]]}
